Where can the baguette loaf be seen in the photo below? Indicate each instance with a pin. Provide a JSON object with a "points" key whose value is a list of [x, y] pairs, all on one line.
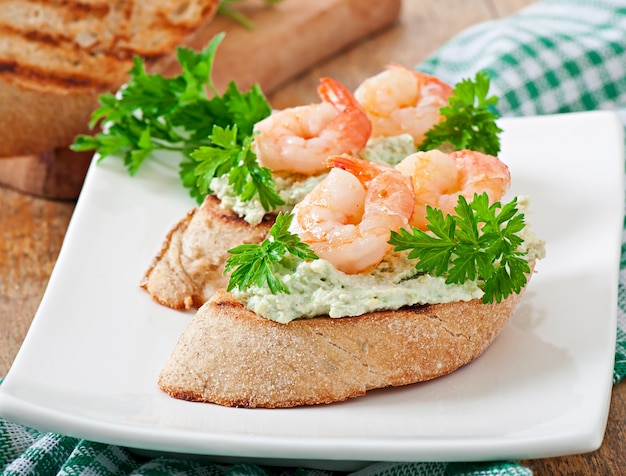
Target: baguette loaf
{"points": [[230, 356], [57, 58], [189, 268]]}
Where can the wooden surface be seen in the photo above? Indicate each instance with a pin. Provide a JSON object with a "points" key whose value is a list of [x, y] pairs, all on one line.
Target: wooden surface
{"points": [[288, 38], [293, 36], [32, 229]]}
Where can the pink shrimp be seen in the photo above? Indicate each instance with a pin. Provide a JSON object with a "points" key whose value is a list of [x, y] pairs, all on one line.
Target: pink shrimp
{"points": [[400, 100], [300, 139], [347, 218], [439, 178]]}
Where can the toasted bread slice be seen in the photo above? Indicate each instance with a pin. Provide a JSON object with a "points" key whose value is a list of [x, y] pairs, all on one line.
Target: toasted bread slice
{"points": [[189, 268], [57, 58], [230, 356]]}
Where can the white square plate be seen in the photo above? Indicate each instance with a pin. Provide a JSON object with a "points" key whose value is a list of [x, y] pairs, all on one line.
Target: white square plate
{"points": [[90, 362]]}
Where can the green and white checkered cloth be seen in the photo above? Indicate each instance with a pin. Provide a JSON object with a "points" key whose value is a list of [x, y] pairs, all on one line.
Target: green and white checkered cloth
{"points": [[555, 56]]}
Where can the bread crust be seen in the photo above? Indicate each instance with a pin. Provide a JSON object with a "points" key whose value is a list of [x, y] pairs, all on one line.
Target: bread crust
{"points": [[57, 58], [189, 268], [230, 356]]}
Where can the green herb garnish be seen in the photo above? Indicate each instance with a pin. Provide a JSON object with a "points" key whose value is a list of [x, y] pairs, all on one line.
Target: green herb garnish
{"points": [[229, 157], [225, 9], [154, 113], [257, 264], [479, 243], [469, 121]]}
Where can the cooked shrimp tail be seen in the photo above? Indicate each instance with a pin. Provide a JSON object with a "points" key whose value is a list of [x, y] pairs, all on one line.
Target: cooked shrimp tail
{"points": [[300, 139], [332, 91], [439, 178], [362, 169], [425, 80], [347, 218], [400, 100]]}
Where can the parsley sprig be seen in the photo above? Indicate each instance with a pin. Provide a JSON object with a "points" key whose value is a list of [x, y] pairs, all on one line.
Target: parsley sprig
{"points": [[469, 120], [153, 113], [258, 264], [227, 156], [225, 9], [480, 242]]}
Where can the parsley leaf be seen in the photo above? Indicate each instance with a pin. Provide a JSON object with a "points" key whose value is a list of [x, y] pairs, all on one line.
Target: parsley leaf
{"points": [[468, 120], [230, 156], [225, 9], [257, 264], [153, 113], [481, 242]]}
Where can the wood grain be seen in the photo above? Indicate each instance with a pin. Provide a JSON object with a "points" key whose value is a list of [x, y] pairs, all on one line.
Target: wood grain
{"points": [[287, 39], [32, 229]]}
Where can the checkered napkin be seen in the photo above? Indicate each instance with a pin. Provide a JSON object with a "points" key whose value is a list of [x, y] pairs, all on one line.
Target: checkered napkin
{"points": [[555, 56]]}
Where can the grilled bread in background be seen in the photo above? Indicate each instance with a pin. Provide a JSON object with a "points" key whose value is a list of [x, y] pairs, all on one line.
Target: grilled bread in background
{"points": [[57, 57], [87, 48]]}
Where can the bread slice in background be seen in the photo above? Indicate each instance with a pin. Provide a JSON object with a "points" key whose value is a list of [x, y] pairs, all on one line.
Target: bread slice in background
{"points": [[230, 356], [58, 57], [44, 119]]}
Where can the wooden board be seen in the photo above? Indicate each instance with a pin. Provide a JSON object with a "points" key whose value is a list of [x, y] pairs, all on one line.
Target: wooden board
{"points": [[290, 37], [287, 39]]}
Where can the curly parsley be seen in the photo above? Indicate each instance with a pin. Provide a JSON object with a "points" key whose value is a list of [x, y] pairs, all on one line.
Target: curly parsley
{"points": [[227, 156], [469, 121], [153, 113], [480, 242], [256, 264]]}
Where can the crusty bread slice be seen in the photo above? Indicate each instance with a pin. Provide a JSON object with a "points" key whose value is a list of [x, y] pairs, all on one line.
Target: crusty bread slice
{"points": [[57, 58], [230, 356], [189, 268]]}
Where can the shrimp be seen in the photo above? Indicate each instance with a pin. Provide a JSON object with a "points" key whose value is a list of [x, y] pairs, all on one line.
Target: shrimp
{"points": [[300, 139], [439, 178], [347, 218], [400, 100]]}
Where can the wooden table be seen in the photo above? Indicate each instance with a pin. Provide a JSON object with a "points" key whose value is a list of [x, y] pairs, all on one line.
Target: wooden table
{"points": [[32, 228]]}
